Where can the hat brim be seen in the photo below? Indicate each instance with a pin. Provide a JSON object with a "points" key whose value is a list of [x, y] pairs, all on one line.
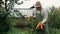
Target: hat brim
{"points": [[36, 6]]}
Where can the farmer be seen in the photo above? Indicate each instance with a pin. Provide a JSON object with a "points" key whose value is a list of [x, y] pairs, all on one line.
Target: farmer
{"points": [[41, 16]]}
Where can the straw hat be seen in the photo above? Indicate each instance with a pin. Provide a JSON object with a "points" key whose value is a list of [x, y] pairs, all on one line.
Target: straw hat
{"points": [[37, 4]]}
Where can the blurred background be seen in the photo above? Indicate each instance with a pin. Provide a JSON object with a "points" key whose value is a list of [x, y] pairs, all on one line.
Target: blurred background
{"points": [[13, 15]]}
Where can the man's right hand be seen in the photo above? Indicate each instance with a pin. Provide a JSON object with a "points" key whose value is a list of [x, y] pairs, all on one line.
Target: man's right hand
{"points": [[29, 17]]}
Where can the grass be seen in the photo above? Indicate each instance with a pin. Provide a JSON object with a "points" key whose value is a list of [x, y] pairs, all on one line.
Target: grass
{"points": [[18, 31], [26, 31], [54, 31]]}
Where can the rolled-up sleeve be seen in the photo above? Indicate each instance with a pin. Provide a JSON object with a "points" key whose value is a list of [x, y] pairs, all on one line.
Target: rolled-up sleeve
{"points": [[45, 16]]}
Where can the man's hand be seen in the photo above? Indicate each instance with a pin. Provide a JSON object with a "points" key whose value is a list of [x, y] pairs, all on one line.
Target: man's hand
{"points": [[40, 25], [29, 17]]}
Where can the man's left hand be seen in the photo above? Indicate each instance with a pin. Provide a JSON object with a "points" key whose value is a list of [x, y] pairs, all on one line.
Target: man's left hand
{"points": [[40, 25]]}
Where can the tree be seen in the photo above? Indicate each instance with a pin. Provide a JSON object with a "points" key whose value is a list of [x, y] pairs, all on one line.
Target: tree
{"points": [[4, 25]]}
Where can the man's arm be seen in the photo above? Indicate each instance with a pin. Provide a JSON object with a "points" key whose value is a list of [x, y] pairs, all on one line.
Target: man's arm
{"points": [[45, 16]]}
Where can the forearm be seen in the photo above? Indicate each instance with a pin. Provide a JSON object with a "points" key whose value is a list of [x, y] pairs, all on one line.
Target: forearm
{"points": [[44, 20]]}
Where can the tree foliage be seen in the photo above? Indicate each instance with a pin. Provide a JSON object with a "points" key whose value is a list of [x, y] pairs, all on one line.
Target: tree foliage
{"points": [[4, 24]]}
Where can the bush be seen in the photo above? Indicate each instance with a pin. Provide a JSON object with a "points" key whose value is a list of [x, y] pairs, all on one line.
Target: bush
{"points": [[54, 31], [4, 25], [54, 17]]}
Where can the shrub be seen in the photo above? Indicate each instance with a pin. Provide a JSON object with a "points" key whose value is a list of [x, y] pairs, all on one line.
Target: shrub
{"points": [[4, 25], [54, 17]]}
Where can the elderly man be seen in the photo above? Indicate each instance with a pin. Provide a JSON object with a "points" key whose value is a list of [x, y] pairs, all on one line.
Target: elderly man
{"points": [[41, 16]]}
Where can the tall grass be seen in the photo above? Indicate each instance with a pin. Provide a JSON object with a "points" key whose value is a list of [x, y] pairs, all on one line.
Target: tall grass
{"points": [[54, 18]]}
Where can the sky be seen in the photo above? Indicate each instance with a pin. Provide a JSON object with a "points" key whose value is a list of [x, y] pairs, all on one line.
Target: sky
{"points": [[44, 3]]}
